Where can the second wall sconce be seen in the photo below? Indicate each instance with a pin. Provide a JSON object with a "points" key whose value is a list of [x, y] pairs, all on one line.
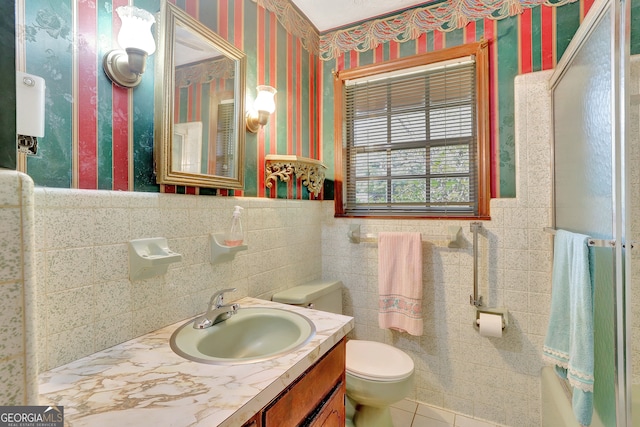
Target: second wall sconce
{"points": [[126, 65], [263, 107]]}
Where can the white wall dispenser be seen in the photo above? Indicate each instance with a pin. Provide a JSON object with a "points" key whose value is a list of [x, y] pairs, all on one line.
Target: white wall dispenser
{"points": [[150, 257], [30, 97]]}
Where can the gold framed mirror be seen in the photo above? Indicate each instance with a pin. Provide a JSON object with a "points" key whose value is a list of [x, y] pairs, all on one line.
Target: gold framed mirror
{"points": [[199, 104]]}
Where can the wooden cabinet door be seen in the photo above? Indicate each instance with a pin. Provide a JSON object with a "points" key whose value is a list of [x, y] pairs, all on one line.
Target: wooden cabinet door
{"points": [[333, 413], [256, 421], [303, 398]]}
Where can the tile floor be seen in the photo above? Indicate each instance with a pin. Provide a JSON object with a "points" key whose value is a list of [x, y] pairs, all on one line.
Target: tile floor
{"points": [[407, 413]]}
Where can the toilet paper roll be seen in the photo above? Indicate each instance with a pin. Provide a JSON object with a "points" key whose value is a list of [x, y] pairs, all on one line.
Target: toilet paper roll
{"points": [[490, 325]]}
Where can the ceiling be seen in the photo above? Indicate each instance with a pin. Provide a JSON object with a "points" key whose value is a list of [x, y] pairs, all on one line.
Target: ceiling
{"points": [[192, 48], [329, 14]]}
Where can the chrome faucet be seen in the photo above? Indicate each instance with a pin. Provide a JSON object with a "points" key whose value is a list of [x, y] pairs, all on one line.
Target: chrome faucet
{"points": [[217, 311]]}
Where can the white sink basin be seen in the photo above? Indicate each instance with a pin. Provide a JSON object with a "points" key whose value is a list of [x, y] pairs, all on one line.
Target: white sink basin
{"points": [[252, 335]]}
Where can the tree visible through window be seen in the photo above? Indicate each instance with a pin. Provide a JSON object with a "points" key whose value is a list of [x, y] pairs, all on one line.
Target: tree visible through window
{"points": [[414, 136]]}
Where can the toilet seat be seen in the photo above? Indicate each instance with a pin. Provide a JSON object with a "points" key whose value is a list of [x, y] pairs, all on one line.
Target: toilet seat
{"points": [[377, 361]]}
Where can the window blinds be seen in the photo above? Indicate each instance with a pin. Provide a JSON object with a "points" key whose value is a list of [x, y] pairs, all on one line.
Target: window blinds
{"points": [[225, 140], [411, 143]]}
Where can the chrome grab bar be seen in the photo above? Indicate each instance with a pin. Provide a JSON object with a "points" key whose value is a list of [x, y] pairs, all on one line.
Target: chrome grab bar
{"points": [[475, 299]]}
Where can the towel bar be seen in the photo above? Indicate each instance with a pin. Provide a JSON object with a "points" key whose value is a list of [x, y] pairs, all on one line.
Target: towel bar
{"points": [[597, 243], [355, 236]]}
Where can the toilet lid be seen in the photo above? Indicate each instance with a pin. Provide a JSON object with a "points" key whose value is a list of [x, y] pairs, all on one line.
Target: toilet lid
{"points": [[377, 361]]}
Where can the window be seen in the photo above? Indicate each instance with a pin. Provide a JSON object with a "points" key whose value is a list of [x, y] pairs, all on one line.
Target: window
{"points": [[225, 139], [414, 136]]}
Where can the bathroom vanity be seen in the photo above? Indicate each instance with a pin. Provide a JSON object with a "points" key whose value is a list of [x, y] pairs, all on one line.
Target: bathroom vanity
{"points": [[316, 397], [143, 382]]}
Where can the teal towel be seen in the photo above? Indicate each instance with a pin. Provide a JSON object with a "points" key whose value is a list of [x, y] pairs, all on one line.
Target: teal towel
{"points": [[569, 340]]}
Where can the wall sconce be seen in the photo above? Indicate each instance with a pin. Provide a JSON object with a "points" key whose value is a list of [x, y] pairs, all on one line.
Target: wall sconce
{"points": [[263, 107], [125, 66]]}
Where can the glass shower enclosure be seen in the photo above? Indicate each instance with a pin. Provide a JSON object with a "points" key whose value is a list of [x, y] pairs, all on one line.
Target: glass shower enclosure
{"points": [[591, 188]]}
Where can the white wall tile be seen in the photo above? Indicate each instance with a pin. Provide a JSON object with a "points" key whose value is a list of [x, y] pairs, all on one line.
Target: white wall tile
{"points": [[18, 363], [11, 190], [112, 225], [110, 331], [68, 269], [111, 262], [69, 345], [82, 233], [11, 247], [11, 315], [112, 298], [91, 268], [145, 223], [456, 368], [69, 228], [70, 309], [12, 384]]}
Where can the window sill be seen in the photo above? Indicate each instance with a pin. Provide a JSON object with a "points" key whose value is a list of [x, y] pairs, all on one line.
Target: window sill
{"points": [[417, 217]]}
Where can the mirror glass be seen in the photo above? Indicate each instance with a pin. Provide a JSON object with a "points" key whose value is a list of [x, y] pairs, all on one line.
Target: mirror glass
{"points": [[199, 114]]}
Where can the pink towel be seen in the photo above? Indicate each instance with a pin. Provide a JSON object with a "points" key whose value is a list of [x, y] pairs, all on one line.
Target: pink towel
{"points": [[400, 282]]}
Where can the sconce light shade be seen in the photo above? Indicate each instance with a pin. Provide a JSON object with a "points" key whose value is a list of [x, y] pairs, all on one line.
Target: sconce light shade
{"points": [[263, 107], [136, 29], [125, 66]]}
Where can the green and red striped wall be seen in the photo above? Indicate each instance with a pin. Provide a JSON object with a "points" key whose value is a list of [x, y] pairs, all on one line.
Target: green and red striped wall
{"points": [[99, 136], [531, 41]]}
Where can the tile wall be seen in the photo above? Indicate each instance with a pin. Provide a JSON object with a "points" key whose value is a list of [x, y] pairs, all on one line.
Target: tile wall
{"points": [[496, 379], [17, 300], [86, 301]]}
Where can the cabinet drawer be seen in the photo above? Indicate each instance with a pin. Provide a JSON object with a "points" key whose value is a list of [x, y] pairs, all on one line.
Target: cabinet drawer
{"points": [[308, 391]]}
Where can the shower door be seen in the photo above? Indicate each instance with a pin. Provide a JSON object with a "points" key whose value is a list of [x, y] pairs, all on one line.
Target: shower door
{"points": [[590, 186]]}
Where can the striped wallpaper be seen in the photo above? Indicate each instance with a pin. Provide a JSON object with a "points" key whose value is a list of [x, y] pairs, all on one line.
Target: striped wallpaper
{"points": [[199, 97], [99, 136], [8, 155], [531, 41]]}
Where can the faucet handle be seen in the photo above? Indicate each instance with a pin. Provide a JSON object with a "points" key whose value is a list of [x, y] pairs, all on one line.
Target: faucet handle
{"points": [[218, 298]]}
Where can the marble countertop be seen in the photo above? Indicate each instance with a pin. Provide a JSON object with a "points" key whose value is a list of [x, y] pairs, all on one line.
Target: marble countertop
{"points": [[142, 382]]}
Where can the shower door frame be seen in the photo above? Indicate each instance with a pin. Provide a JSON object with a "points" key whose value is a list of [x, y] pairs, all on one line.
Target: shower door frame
{"points": [[620, 100]]}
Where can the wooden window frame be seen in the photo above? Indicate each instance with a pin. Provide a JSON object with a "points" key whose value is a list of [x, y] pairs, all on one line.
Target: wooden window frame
{"points": [[480, 51]]}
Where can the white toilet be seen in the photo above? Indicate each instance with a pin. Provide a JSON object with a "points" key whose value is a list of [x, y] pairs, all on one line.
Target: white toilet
{"points": [[377, 374]]}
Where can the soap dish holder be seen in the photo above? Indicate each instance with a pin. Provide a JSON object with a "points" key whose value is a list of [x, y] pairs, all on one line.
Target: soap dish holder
{"points": [[150, 257], [221, 252]]}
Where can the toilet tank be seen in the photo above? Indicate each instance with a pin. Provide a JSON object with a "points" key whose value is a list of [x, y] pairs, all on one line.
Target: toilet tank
{"points": [[320, 294]]}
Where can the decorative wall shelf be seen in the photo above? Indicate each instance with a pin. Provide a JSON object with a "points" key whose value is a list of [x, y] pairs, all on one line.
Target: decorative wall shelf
{"points": [[311, 171]]}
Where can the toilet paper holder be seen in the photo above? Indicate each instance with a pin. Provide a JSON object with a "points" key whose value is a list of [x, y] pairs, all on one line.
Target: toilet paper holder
{"points": [[502, 311]]}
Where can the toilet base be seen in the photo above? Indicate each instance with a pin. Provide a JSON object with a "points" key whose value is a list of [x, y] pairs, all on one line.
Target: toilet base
{"points": [[366, 416], [371, 399], [350, 409], [372, 416], [371, 396]]}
